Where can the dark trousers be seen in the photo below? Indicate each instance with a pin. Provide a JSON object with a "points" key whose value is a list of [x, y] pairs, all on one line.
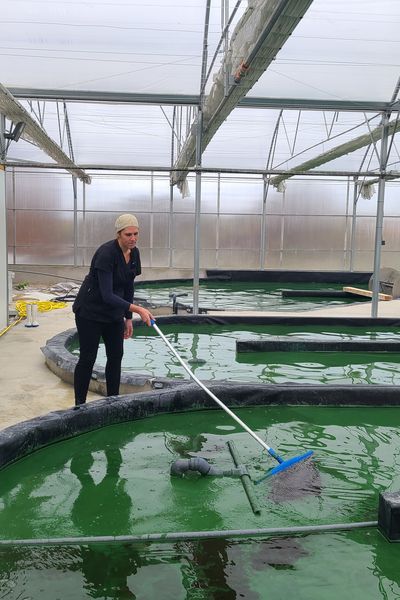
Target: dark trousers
{"points": [[89, 334]]}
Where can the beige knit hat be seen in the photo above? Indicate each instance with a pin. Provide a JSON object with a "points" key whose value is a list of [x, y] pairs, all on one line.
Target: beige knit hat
{"points": [[126, 220]]}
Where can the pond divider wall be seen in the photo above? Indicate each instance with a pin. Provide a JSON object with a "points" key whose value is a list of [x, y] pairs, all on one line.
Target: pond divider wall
{"points": [[291, 343], [280, 276]]}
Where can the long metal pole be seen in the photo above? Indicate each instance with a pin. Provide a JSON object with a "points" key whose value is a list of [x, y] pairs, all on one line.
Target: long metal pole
{"points": [[4, 292], [171, 192], [346, 236], [214, 397], [75, 192], [263, 226], [236, 171], [199, 134], [188, 535], [379, 214], [270, 159], [353, 224], [197, 210]]}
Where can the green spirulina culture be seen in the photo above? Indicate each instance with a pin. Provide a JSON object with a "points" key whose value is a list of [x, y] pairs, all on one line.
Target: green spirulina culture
{"points": [[211, 352], [116, 481], [249, 295]]}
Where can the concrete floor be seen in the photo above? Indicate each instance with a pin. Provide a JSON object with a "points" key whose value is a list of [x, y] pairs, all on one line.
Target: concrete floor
{"points": [[28, 388]]}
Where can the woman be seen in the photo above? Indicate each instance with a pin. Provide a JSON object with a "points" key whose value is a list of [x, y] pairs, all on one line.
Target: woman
{"points": [[103, 307]]}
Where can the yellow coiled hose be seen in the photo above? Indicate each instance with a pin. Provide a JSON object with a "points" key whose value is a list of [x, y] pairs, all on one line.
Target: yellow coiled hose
{"points": [[43, 306]]}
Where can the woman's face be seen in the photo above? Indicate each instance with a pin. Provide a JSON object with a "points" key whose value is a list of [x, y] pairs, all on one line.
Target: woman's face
{"points": [[128, 237]]}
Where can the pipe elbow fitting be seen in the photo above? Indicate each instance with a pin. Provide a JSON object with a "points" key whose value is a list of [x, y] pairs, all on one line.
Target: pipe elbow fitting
{"points": [[197, 464]]}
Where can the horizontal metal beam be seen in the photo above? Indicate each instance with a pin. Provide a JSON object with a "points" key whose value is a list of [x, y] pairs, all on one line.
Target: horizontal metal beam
{"points": [[193, 100], [158, 169], [107, 97], [342, 150], [310, 104], [15, 112], [259, 36]]}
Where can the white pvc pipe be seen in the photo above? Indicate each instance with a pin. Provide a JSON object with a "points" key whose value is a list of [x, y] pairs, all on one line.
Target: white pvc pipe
{"points": [[188, 535]]}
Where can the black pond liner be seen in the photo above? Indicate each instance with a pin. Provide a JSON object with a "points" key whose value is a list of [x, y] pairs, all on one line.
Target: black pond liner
{"points": [[24, 438], [290, 276], [271, 275], [280, 343]]}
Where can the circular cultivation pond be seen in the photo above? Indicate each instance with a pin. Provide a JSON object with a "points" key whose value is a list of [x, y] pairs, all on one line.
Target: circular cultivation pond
{"points": [[116, 480], [249, 295], [210, 350]]}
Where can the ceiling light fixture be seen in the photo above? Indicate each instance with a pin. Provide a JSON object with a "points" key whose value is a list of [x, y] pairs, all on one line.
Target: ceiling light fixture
{"points": [[16, 131]]}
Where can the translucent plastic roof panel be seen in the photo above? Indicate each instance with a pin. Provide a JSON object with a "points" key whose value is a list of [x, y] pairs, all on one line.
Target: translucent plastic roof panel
{"points": [[107, 134], [140, 136], [341, 50], [121, 46], [122, 135], [245, 139], [26, 152]]}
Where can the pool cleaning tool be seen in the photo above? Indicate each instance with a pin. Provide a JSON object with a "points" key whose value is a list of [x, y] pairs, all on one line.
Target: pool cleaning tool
{"points": [[283, 464]]}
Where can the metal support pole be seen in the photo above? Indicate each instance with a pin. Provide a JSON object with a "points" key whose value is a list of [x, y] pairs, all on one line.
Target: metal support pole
{"points": [[170, 222], [225, 9], [263, 226], [151, 218], [217, 240], [3, 147], [346, 235], [75, 192], [199, 135], [171, 192], [4, 293], [353, 224], [197, 209], [379, 214], [270, 160], [84, 232]]}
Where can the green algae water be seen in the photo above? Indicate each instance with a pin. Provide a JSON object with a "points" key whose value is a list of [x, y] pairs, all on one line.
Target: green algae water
{"points": [[116, 481], [233, 295], [210, 350], [359, 565]]}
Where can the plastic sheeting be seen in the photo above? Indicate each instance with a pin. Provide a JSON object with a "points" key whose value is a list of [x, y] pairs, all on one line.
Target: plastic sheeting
{"points": [[342, 51]]}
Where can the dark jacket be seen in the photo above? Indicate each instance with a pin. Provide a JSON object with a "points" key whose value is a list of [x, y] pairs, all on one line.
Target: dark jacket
{"points": [[89, 302]]}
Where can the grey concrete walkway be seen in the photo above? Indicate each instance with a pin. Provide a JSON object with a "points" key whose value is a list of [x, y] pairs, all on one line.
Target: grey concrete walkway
{"points": [[28, 388]]}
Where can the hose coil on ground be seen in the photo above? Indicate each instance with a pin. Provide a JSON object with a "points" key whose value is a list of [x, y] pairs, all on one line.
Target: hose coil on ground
{"points": [[20, 305]]}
